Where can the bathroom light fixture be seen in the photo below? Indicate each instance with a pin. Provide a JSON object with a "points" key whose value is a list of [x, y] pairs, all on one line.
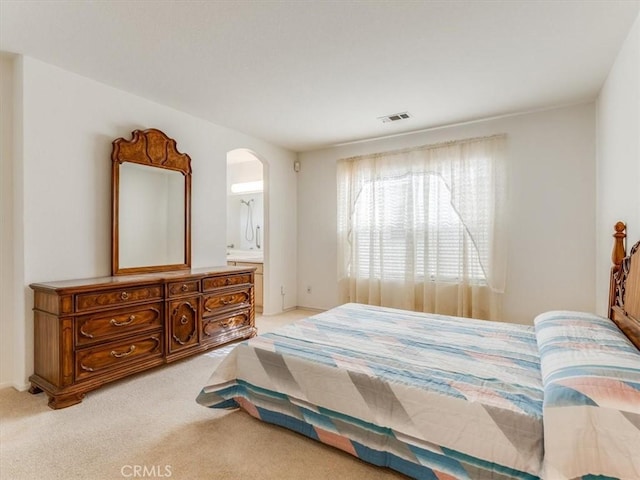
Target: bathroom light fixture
{"points": [[247, 187]]}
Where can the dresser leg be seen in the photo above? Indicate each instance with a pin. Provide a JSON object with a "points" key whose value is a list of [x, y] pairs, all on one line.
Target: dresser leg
{"points": [[63, 401], [34, 389]]}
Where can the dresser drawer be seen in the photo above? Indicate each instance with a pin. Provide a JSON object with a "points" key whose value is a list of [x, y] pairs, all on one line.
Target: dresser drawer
{"points": [[214, 327], [93, 361], [176, 289], [212, 304], [103, 326], [211, 283], [107, 298]]}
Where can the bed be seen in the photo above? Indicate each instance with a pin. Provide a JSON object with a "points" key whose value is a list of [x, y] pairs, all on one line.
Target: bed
{"points": [[440, 397]]}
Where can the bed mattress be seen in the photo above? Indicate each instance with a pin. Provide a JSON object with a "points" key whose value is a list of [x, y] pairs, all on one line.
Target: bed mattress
{"points": [[386, 386]]}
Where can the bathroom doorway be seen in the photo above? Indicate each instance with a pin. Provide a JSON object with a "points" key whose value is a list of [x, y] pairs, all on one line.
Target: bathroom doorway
{"points": [[246, 216]]}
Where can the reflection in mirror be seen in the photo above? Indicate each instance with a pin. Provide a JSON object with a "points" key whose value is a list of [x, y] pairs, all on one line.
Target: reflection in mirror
{"points": [[151, 216]]}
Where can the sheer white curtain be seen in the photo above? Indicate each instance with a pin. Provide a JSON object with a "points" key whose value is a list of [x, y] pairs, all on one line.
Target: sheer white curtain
{"points": [[424, 229]]}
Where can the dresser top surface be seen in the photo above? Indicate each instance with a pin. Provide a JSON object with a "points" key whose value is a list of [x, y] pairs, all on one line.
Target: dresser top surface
{"points": [[141, 279]]}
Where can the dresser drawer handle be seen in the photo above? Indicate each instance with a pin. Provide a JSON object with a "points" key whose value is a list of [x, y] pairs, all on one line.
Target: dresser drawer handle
{"points": [[124, 295], [225, 324], [184, 320], [85, 368], [226, 301], [123, 354], [116, 323], [184, 287], [227, 281]]}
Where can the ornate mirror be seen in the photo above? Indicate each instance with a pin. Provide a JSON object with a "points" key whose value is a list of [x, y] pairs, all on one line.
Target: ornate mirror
{"points": [[151, 204]]}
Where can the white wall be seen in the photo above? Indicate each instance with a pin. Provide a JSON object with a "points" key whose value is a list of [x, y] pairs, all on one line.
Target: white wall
{"points": [[7, 243], [618, 158], [551, 202], [68, 125]]}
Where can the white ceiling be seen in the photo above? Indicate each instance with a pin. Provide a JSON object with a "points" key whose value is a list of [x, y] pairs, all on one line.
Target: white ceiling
{"points": [[308, 74]]}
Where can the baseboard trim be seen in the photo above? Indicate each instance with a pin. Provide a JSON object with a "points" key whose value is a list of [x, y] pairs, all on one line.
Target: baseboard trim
{"points": [[291, 309], [19, 387], [312, 309]]}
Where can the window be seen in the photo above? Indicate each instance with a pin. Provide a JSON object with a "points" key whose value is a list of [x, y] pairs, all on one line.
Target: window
{"points": [[431, 214]]}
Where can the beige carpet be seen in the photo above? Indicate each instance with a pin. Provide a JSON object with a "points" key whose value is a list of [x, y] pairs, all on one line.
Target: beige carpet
{"points": [[149, 426]]}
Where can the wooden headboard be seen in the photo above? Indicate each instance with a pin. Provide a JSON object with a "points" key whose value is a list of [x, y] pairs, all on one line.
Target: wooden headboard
{"points": [[624, 290]]}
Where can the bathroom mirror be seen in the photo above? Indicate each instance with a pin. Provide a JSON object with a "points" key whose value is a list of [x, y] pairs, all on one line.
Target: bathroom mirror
{"points": [[151, 204]]}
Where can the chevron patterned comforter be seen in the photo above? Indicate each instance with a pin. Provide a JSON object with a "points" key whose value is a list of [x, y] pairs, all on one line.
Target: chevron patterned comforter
{"points": [[430, 396]]}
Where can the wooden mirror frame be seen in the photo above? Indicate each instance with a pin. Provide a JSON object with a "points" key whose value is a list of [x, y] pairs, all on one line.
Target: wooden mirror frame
{"points": [[152, 148]]}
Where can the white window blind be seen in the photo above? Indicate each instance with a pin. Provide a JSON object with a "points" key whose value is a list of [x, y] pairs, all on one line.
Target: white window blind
{"points": [[418, 230]]}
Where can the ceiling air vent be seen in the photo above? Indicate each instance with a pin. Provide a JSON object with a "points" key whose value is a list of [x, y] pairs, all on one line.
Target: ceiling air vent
{"points": [[394, 117]]}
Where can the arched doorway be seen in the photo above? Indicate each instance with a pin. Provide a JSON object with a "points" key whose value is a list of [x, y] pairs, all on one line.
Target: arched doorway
{"points": [[247, 208]]}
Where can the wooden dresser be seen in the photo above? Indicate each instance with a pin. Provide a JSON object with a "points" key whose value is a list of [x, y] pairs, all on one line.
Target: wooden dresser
{"points": [[93, 331]]}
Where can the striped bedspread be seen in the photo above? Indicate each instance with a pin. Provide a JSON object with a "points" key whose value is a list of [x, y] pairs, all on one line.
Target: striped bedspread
{"points": [[591, 378], [427, 395]]}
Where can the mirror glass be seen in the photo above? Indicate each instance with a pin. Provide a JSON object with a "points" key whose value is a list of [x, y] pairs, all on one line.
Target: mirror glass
{"points": [[151, 216]]}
